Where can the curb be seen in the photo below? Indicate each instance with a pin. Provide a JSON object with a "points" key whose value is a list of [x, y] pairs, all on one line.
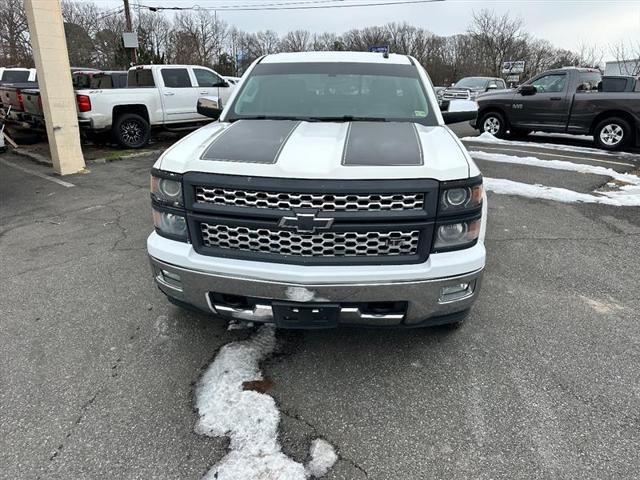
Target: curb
{"points": [[41, 159]]}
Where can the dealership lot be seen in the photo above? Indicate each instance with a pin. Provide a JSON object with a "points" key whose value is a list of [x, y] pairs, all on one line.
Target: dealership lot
{"points": [[98, 370]]}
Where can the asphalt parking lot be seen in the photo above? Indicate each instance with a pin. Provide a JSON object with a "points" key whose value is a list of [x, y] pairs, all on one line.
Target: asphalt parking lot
{"points": [[98, 370]]}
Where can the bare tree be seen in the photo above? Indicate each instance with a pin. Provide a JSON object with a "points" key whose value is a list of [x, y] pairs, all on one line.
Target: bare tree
{"points": [[154, 38], [627, 55], [326, 42], [296, 41], [14, 34], [589, 55], [498, 39], [204, 33]]}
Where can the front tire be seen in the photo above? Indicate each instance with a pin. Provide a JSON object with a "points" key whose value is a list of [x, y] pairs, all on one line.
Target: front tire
{"points": [[612, 133], [131, 131], [493, 123]]}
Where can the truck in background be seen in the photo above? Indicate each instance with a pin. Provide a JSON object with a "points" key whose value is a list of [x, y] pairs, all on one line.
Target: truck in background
{"points": [[156, 96], [567, 100]]}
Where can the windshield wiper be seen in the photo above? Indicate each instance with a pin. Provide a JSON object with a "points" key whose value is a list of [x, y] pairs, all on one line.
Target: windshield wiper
{"points": [[346, 118]]}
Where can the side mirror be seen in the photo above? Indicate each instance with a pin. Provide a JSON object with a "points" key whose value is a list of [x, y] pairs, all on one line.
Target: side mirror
{"points": [[222, 84], [460, 111], [526, 90], [210, 107]]}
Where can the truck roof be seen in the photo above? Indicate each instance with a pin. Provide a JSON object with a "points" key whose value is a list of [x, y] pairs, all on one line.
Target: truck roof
{"points": [[347, 57]]}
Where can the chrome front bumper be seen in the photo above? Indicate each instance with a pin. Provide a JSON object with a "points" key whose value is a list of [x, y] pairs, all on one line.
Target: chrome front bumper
{"points": [[425, 304]]}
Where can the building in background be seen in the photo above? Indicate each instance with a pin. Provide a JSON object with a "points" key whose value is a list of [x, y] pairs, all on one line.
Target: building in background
{"points": [[623, 67]]}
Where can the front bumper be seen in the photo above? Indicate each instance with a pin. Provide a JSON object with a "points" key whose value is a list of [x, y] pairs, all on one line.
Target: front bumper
{"points": [[422, 299]]}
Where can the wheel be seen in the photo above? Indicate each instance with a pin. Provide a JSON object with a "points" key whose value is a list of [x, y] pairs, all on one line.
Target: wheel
{"points": [[612, 134], [131, 130], [493, 123]]}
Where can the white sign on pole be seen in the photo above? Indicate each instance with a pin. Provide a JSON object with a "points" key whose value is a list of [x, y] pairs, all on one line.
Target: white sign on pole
{"points": [[130, 40], [513, 67]]}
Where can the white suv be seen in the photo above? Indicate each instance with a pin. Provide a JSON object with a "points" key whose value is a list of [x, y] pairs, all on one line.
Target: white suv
{"points": [[329, 192]]}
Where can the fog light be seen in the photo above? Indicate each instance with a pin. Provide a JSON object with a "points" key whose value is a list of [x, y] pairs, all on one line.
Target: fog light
{"points": [[170, 279], [455, 292]]}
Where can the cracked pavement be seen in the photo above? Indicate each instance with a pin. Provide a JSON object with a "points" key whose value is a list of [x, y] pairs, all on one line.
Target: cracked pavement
{"points": [[97, 369]]}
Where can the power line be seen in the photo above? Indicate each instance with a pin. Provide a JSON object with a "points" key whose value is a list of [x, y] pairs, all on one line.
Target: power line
{"points": [[296, 5]]}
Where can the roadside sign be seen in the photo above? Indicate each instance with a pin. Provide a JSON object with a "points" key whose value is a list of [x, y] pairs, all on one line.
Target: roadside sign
{"points": [[130, 40], [513, 78], [513, 67], [379, 48]]}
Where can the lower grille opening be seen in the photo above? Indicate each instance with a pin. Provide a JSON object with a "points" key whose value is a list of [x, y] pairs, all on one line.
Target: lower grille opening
{"points": [[320, 244], [383, 308]]}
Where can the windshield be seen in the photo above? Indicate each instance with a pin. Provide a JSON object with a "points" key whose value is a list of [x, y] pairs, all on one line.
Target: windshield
{"points": [[472, 82], [333, 92]]}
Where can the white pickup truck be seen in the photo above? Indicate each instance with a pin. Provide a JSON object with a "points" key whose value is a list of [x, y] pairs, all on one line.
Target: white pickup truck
{"points": [[329, 192], [156, 96]]}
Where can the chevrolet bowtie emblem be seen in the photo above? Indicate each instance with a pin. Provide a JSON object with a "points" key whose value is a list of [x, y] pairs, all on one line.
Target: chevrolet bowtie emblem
{"points": [[306, 222]]}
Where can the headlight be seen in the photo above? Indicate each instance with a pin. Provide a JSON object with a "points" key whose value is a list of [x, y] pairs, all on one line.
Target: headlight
{"points": [[167, 189], [459, 198], [170, 225], [456, 235]]}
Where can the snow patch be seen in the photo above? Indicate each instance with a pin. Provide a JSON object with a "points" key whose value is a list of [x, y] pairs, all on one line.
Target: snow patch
{"points": [[249, 418], [563, 135], [323, 457], [486, 137], [556, 165], [627, 196]]}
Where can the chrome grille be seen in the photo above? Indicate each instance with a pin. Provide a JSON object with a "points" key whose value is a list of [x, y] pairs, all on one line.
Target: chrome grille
{"points": [[320, 201], [456, 95], [327, 244]]}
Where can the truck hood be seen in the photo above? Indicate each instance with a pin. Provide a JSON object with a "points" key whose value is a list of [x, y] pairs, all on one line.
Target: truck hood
{"points": [[344, 150]]}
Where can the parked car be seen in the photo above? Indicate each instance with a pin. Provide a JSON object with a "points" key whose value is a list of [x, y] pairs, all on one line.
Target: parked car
{"points": [[329, 192], [156, 96], [12, 94], [33, 113], [99, 79], [11, 99], [469, 88], [565, 100]]}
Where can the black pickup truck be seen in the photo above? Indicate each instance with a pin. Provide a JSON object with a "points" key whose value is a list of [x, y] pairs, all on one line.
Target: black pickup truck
{"points": [[568, 100]]}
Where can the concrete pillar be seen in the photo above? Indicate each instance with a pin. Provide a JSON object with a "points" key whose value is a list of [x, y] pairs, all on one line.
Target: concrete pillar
{"points": [[46, 29]]}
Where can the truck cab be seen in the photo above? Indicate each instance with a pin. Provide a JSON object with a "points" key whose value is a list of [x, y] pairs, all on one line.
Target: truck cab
{"points": [[328, 192], [568, 100]]}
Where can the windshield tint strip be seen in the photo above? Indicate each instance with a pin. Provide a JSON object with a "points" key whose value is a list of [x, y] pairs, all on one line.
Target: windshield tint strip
{"points": [[251, 141], [382, 144]]}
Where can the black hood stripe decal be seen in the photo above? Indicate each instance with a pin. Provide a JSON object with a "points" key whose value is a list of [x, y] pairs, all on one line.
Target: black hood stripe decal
{"points": [[380, 144], [251, 141]]}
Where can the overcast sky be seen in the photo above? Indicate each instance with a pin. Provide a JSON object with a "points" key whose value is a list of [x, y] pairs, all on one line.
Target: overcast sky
{"points": [[565, 23]]}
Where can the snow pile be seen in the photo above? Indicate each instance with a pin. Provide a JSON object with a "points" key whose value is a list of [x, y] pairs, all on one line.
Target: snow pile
{"points": [[486, 137], [628, 196], [556, 165], [249, 418]]}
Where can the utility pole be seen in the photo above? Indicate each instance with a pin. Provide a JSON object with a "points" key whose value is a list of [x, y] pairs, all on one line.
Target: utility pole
{"points": [[127, 16]]}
